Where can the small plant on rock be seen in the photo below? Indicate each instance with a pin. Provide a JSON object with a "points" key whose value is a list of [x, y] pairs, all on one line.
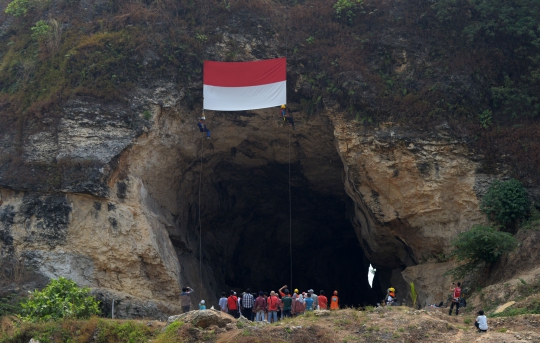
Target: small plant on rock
{"points": [[413, 294]]}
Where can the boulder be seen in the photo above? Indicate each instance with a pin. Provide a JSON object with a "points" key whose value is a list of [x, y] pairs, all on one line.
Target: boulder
{"points": [[204, 318]]}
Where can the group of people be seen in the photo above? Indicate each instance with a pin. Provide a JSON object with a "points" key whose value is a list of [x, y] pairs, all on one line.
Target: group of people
{"points": [[267, 307], [284, 112], [276, 305]]}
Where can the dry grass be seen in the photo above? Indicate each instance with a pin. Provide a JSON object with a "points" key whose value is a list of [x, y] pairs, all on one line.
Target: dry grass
{"points": [[392, 324]]}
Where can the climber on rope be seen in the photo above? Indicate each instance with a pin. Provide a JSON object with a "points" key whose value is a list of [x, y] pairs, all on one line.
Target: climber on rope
{"points": [[286, 115], [284, 111], [202, 127]]}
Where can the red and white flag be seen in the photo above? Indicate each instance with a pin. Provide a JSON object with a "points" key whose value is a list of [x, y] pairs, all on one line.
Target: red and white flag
{"points": [[239, 86]]}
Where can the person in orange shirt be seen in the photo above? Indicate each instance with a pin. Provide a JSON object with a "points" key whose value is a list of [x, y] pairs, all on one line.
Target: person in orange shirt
{"points": [[323, 301], [272, 305], [334, 302]]}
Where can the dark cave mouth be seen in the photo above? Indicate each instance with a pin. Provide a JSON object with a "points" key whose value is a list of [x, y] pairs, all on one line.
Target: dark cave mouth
{"points": [[247, 244]]}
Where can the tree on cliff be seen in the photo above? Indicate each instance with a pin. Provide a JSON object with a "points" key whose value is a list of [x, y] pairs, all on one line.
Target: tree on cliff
{"points": [[479, 247], [506, 203]]}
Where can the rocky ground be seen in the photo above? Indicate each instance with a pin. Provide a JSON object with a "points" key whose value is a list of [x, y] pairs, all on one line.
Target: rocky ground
{"points": [[390, 324]]}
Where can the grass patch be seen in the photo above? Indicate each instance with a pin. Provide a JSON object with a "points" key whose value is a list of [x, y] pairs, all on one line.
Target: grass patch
{"points": [[528, 307], [171, 334], [67, 330]]}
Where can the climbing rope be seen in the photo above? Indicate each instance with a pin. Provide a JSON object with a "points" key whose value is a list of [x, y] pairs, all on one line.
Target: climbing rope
{"points": [[200, 224], [290, 199], [290, 211]]}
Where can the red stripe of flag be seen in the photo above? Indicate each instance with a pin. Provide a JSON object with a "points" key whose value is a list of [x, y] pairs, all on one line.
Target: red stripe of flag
{"points": [[244, 74]]}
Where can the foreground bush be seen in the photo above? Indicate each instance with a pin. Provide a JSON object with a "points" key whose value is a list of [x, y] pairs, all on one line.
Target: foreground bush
{"points": [[93, 330], [61, 298], [479, 246]]}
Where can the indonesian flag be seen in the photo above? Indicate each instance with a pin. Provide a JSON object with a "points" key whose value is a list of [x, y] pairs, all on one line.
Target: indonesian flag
{"points": [[239, 86]]}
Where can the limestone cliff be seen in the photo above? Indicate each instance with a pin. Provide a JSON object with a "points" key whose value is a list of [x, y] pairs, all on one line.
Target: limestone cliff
{"points": [[103, 172], [410, 194]]}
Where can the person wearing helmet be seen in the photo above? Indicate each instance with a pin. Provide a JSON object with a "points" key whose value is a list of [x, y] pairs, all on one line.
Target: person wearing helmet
{"points": [[286, 115], [202, 126], [295, 294], [284, 112], [390, 295], [334, 301]]}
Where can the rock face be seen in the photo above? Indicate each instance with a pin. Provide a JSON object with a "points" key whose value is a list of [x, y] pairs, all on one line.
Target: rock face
{"points": [[413, 191], [136, 233], [127, 197]]}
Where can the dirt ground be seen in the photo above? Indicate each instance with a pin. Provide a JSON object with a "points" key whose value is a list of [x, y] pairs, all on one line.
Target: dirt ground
{"points": [[391, 324]]}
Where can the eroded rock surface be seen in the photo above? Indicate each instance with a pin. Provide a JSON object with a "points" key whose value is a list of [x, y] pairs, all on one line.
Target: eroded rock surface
{"points": [[137, 234]]}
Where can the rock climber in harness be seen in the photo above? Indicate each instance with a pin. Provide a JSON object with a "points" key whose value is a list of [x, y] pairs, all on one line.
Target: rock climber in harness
{"points": [[286, 115], [455, 298], [203, 128], [284, 111]]}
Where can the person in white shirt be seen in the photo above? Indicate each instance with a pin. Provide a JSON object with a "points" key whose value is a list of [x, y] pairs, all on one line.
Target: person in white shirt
{"points": [[223, 303], [481, 322]]}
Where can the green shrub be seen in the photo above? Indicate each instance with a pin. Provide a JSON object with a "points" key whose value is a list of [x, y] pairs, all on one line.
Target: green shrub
{"points": [[506, 202], [129, 332], [147, 115], [61, 298], [170, 334], [347, 7], [18, 8], [479, 246], [40, 30], [10, 305], [533, 222]]}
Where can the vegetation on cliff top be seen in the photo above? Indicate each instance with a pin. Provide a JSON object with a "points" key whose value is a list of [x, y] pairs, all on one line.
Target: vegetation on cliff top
{"points": [[474, 63]]}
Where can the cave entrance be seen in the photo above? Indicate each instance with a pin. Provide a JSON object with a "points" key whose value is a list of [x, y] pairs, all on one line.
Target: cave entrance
{"points": [[246, 235]]}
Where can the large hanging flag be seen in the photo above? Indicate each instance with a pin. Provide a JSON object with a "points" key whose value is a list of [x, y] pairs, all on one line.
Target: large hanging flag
{"points": [[239, 86]]}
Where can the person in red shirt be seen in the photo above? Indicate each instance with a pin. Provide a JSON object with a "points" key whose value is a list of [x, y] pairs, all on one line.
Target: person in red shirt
{"points": [[455, 298], [281, 291], [272, 304], [260, 307], [232, 305], [323, 301]]}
